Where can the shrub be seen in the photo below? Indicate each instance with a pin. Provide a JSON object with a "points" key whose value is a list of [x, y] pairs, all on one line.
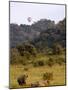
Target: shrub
{"points": [[60, 61], [57, 48], [39, 63], [48, 76], [50, 62], [26, 69], [14, 56], [26, 49]]}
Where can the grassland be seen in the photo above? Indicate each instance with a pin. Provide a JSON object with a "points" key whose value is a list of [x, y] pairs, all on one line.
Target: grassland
{"points": [[35, 73]]}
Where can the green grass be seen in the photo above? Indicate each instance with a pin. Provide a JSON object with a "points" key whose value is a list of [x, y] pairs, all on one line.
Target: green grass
{"points": [[36, 73]]}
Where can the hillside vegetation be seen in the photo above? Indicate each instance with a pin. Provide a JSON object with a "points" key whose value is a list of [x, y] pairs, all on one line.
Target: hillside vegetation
{"points": [[38, 50]]}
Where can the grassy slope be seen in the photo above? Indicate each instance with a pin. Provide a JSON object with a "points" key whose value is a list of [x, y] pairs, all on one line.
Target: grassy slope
{"points": [[35, 74]]}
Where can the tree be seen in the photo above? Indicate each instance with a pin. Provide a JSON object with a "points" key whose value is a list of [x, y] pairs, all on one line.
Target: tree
{"points": [[14, 56], [26, 49], [57, 48]]}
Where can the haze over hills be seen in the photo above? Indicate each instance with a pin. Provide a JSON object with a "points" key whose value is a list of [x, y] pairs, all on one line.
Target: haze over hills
{"points": [[43, 33]]}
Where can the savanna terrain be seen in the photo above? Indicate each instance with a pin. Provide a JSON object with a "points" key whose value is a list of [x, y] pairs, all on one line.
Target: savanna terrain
{"points": [[35, 73], [37, 54]]}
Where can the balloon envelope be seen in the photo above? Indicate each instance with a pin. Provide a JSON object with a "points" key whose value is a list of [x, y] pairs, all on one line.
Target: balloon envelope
{"points": [[29, 19]]}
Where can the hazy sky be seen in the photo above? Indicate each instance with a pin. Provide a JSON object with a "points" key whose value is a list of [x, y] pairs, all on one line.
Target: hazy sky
{"points": [[19, 12]]}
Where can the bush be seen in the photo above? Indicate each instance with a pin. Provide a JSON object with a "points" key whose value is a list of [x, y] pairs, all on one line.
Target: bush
{"points": [[39, 63], [14, 56], [48, 76], [26, 69], [50, 62], [57, 48], [26, 49], [60, 61]]}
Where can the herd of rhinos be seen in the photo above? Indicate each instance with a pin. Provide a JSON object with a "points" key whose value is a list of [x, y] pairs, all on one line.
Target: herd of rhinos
{"points": [[22, 82]]}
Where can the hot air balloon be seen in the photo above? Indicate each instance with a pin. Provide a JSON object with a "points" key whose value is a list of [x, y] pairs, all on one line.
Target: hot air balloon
{"points": [[29, 19]]}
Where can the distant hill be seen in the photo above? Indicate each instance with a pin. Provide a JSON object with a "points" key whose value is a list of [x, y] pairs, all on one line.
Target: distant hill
{"points": [[43, 33]]}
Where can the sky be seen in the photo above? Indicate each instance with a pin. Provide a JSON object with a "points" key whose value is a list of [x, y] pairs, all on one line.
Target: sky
{"points": [[19, 12]]}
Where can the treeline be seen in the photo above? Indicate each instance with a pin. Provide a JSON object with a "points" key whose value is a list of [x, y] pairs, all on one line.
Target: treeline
{"points": [[43, 36], [27, 53], [52, 37]]}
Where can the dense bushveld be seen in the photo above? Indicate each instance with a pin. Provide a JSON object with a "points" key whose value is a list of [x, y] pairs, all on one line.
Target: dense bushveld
{"points": [[39, 52], [36, 74], [37, 70]]}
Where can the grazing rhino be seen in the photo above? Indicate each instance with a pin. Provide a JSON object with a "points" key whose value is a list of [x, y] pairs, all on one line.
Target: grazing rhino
{"points": [[36, 84], [22, 79], [44, 83]]}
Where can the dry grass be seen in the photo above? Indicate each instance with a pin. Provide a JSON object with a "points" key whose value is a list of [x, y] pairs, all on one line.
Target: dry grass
{"points": [[35, 74]]}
